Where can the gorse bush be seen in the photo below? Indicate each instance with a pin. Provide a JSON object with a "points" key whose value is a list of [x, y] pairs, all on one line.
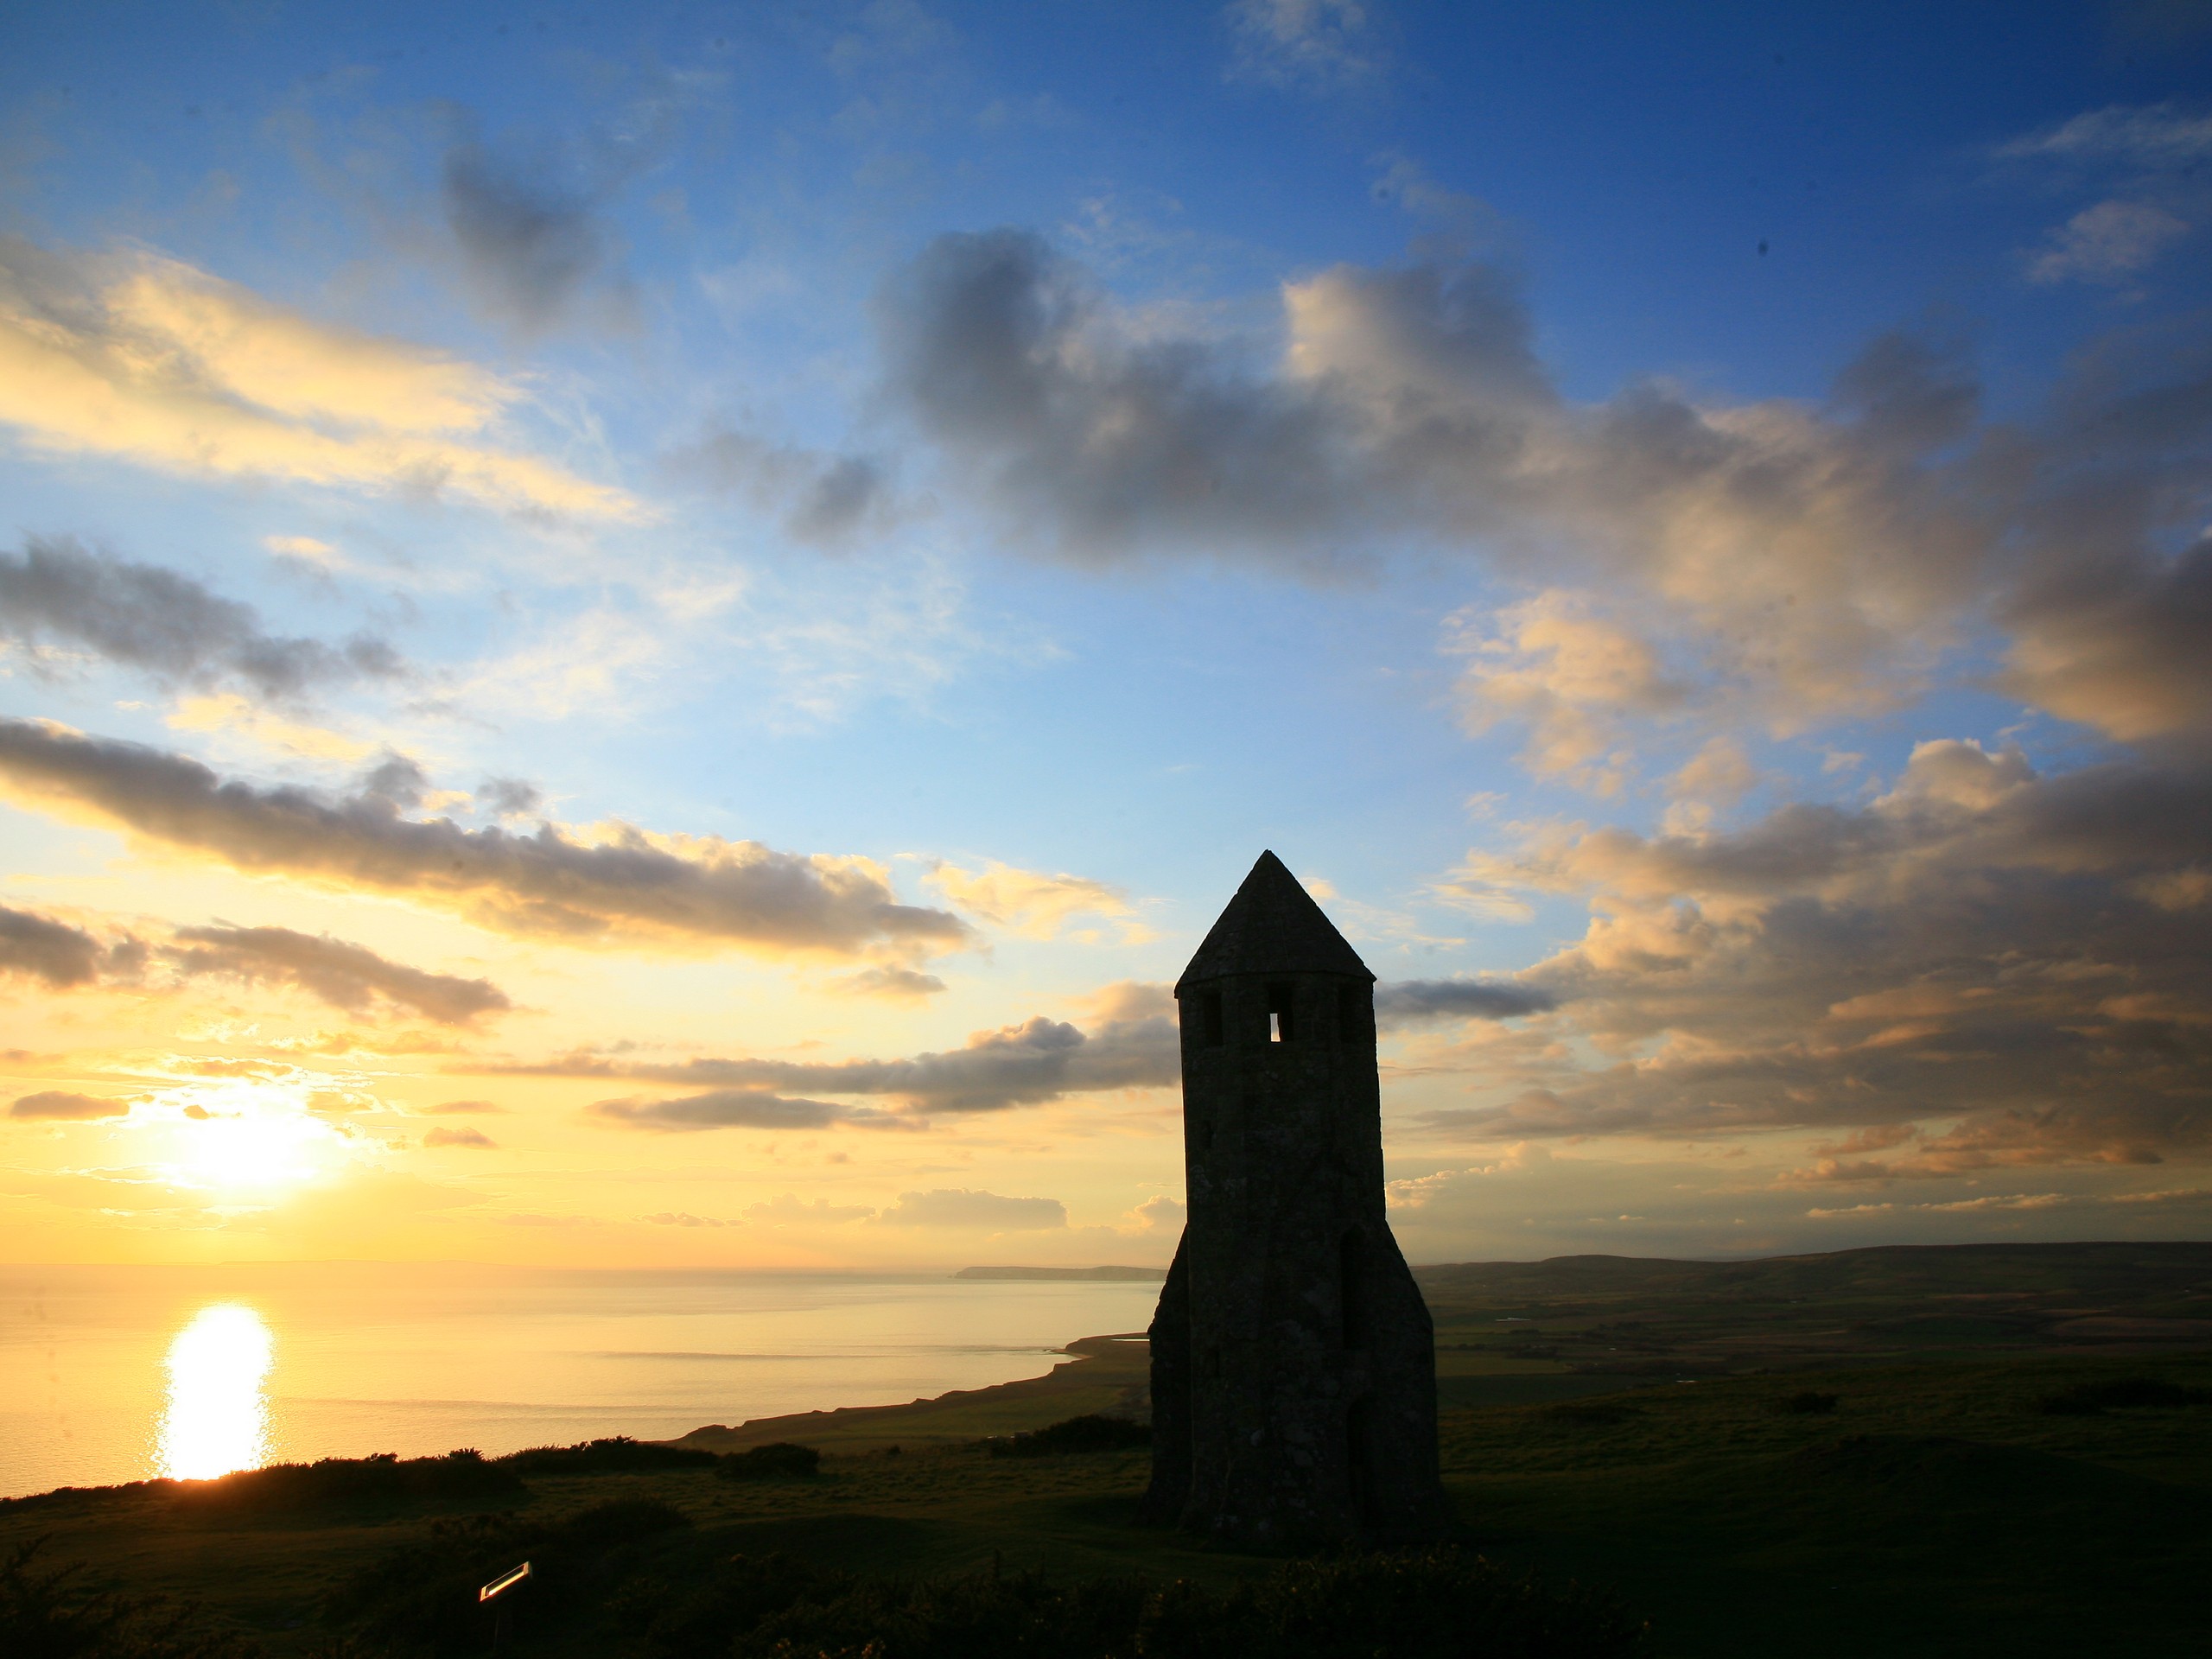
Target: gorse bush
{"points": [[1088, 1433], [617, 1455], [778, 1460], [340, 1482]]}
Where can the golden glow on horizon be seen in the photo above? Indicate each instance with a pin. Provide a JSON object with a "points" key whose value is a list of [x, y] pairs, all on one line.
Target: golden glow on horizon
{"points": [[216, 1417]]}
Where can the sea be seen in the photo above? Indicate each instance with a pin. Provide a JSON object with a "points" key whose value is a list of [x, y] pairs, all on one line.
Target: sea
{"points": [[112, 1374]]}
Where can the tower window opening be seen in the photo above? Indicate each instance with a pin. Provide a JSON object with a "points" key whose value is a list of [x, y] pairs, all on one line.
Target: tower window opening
{"points": [[1280, 1027], [1210, 1018]]}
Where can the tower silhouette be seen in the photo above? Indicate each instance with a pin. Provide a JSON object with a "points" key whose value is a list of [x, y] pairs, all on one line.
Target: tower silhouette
{"points": [[1294, 1363]]}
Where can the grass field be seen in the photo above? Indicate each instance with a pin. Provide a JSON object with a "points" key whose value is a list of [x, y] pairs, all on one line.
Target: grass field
{"points": [[1833, 1456]]}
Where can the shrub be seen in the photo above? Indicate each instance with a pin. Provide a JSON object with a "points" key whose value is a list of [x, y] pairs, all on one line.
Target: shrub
{"points": [[1807, 1404], [617, 1455], [334, 1483], [778, 1460], [1087, 1434], [2086, 1399]]}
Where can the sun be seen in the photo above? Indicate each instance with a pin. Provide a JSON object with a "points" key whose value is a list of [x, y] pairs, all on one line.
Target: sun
{"points": [[244, 1144]]}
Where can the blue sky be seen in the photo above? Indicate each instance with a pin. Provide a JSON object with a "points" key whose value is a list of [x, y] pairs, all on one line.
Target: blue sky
{"points": [[780, 539]]}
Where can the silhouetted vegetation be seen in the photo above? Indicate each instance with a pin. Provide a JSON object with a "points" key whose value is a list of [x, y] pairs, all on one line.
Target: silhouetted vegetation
{"points": [[1090, 1433], [2084, 1399], [778, 1460], [1591, 1413], [421, 1598], [616, 1455], [1809, 1403], [340, 1483], [54, 1613], [1446, 1603]]}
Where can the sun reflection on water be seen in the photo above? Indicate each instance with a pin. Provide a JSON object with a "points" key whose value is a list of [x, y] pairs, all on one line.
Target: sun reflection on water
{"points": [[217, 1416]]}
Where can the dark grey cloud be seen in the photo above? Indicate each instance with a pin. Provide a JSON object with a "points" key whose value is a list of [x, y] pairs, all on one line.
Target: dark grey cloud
{"points": [[1421, 1002], [59, 1105], [509, 798], [41, 948], [975, 1210], [726, 1108], [823, 498], [349, 976], [704, 890], [529, 216], [1806, 560], [1983, 967], [1025, 1064], [166, 625]]}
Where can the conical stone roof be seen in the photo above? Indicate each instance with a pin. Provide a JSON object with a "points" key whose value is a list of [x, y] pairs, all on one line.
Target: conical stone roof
{"points": [[1272, 926]]}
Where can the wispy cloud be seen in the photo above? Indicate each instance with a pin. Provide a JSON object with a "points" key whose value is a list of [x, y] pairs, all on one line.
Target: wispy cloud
{"points": [[152, 361], [624, 884]]}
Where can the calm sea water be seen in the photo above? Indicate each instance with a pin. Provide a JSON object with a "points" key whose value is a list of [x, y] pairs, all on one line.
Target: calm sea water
{"points": [[114, 1374]]}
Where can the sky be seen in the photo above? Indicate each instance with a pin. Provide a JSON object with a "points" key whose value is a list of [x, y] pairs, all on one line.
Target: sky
{"points": [[645, 636]]}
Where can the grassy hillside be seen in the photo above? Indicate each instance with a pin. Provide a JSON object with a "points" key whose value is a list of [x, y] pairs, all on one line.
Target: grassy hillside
{"points": [[1909, 1452]]}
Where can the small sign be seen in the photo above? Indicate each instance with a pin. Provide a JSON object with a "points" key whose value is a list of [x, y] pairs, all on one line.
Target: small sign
{"points": [[503, 1583]]}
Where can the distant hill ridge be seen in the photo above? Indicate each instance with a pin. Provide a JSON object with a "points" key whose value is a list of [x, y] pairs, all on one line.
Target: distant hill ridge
{"points": [[1105, 1275]]}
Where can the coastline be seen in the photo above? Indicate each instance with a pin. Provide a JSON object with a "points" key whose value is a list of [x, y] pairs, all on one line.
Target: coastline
{"points": [[1108, 1375]]}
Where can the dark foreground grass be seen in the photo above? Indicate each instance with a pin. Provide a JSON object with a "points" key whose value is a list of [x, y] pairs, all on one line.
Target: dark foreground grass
{"points": [[2000, 1452]]}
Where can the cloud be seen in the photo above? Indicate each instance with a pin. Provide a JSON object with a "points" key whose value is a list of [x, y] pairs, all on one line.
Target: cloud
{"points": [[509, 798], [2154, 136], [683, 1218], [1315, 46], [723, 1109], [41, 948], [1026, 902], [975, 1211], [825, 499], [461, 1137], [1159, 1215], [58, 1104], [2124, 644], [166, 625], [462, 1108], [349, 976], [1420, 1001], [1983, 967], [1038, 1060], [787, 1210], [626, 883], [1773, 563], [2110, 242], [885, 981], [151, 361]]}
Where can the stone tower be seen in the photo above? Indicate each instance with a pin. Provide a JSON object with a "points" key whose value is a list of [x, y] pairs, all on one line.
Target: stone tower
{"points": [[1293, 1365]]}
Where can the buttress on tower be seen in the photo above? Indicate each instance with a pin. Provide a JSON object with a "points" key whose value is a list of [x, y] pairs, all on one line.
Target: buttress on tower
{"points": [[1293, 1363]]}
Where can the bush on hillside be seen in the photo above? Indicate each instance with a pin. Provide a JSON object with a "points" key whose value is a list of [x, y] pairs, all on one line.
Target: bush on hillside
{"points": [[778, 1460], [334, 1483], [616, 1455], [1087, 1434]]}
